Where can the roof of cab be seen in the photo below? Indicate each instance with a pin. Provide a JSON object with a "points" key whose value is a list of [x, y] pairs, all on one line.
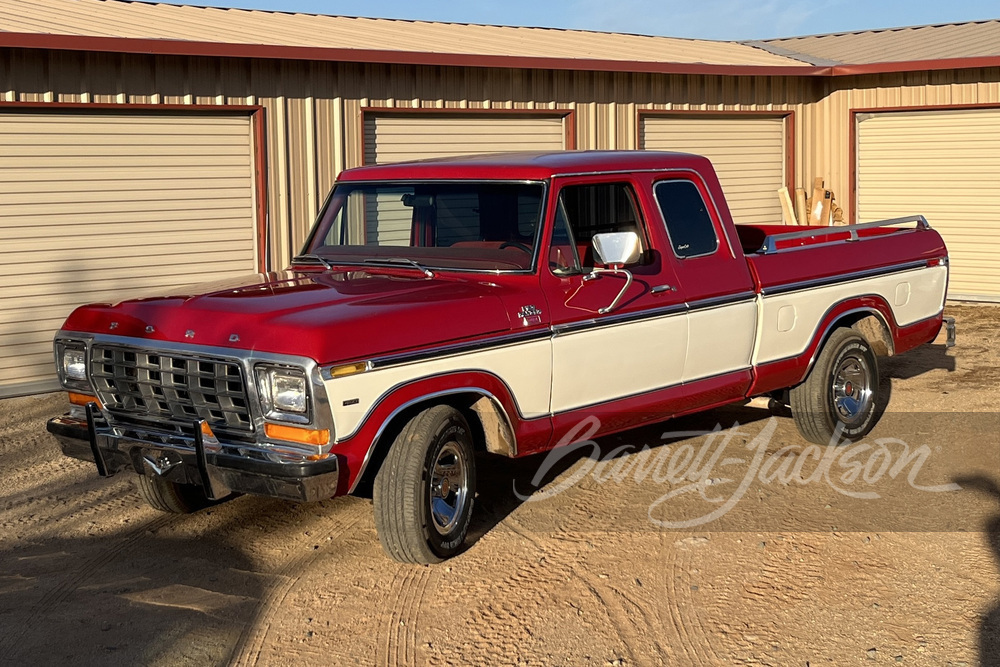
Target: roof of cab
{"points": [[526, 165]]}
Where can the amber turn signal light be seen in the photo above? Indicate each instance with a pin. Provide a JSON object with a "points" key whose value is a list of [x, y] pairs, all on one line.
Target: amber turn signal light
{"points": [[349, 369], [83, 399], [306, 436]]}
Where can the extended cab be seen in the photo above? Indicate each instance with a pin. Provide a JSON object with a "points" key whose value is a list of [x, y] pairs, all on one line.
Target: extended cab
{"points": [[489, 303]]}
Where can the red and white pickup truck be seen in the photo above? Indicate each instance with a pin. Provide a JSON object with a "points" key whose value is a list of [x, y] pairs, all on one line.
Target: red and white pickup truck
{"points": [[489, 303]]}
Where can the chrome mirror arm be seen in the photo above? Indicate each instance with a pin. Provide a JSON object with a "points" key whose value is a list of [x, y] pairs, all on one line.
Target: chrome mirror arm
{"points": [[614, 270]]}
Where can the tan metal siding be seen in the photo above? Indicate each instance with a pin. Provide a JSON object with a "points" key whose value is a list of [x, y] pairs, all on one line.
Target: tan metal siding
{"points": [[330, 98], [100, 206], [398, 138], [748, 154], [945, 166]]}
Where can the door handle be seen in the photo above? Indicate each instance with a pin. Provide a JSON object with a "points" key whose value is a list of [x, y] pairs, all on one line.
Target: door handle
{"points": [[660, 289]]}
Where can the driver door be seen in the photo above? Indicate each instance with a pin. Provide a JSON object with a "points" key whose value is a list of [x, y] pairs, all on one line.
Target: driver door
{"points": [[602, 361]]}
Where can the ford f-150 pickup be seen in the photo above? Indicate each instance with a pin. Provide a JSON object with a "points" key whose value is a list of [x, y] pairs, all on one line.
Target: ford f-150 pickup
{"points": [[490, 303]]}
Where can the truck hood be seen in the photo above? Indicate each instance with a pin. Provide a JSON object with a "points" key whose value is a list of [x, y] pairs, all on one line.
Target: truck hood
{"points": [[329, 316]]}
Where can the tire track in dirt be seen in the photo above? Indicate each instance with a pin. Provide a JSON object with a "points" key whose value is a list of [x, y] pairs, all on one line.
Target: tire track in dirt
{"points": [[76, 576], [693, 639], [497, 629], [397, 644], [637, 620], [253, 637]]}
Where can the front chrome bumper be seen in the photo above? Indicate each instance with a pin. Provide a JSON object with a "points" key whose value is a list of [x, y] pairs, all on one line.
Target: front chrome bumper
{"points": [[218, 473]]}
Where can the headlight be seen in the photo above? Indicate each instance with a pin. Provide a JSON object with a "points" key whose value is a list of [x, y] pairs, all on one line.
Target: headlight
{"points": [[75, 364], [284, 393], [71, 361]]}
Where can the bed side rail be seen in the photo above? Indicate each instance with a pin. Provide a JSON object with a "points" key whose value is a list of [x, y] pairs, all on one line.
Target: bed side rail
{"points": [[770, 244]]}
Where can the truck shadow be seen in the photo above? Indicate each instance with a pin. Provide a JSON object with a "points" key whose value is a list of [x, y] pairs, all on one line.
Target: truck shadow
{"points": [[506, 484], [113, 584], [989, 624], [923, 359]]}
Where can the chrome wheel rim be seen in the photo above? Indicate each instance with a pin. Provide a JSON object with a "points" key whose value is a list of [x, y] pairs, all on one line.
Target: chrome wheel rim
{"points": [[852, 389], [449, 490]]}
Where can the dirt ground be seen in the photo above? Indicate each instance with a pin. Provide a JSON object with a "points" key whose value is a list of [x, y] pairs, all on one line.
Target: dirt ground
{"points": [[669, 556]]}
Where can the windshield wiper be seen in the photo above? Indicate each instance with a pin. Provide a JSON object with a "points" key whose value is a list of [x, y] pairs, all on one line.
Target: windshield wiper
{"points": [[322, 260], [402, 260]]}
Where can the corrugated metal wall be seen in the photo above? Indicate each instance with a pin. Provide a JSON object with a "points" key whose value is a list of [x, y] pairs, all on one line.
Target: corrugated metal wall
{"points": [[314, 124], [827, 124], [313, 110]]}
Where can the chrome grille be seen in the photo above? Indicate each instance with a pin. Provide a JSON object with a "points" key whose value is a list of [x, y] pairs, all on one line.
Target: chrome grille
{"points": [[138, 385]]}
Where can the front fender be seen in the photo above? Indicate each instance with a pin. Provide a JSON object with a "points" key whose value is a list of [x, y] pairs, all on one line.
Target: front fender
{"points": [[357, 450]]}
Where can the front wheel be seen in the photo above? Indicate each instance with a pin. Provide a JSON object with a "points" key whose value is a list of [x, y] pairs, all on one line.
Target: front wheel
{"points": [[424, 492], [171, 497], [839, 399]]}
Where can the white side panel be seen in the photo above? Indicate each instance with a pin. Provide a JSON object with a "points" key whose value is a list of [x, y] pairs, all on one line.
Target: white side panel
{"points": [[787, 333], [525, 368], [720, 340], [603, 364]]}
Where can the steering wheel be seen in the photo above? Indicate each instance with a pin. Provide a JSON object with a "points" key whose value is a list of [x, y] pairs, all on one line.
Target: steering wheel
{"points": [[515, 244]]}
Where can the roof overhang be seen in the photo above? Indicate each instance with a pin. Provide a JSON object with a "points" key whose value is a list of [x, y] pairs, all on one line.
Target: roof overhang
{"points": [[396, 57]]}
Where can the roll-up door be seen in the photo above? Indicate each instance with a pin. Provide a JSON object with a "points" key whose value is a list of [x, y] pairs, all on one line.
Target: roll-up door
{"points": [[102, 206], [396, 138], [748, 153], [944, 165]]}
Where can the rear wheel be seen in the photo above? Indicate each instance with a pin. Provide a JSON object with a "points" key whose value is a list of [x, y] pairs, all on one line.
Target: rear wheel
{"points": [[839, 399], [424, 492], [171, 497]]}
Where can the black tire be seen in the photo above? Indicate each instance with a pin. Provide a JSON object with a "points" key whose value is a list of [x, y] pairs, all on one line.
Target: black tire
{"points": [[840, 398], [171, 497], [431, 462]]}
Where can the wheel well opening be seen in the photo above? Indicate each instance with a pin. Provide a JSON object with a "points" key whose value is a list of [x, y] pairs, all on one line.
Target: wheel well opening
{"points": [[491, 431], [875, 332]]}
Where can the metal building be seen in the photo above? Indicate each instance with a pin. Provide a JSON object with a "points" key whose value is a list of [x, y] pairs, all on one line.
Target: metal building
{"points": [[145, 146]]}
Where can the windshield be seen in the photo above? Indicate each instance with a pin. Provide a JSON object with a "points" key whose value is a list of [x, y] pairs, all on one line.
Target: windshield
{"points": [[475, 226]]}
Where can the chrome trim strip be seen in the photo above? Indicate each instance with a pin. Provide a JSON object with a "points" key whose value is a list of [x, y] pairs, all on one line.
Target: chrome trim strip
{"points": [[409, 404], [454, 349], [615, 320], [718, 301], [844, 278]]}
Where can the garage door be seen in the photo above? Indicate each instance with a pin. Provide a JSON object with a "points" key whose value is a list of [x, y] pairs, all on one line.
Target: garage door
{"points": [[395, 138], [944, 165], [748, 153], [101, 206]]}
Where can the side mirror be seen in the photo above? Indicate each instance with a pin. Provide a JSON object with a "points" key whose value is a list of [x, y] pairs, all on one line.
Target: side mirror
{"points": [[617, 248]]}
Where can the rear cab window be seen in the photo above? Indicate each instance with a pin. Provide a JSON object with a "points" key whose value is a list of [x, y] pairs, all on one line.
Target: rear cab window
{"points": [[685, 213]]}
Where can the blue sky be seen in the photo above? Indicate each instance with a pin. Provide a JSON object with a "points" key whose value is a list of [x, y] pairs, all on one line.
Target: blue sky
{"points": [[708, 19]]}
